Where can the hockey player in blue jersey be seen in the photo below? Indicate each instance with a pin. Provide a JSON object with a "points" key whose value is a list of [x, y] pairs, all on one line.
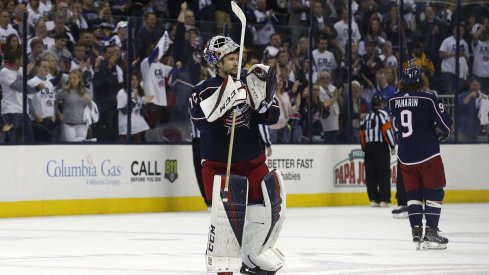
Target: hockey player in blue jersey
{"points": [[245, 225], [422, 123]]}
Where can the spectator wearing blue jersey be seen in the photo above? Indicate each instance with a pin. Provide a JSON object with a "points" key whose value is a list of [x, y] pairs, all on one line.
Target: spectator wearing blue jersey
{"points": [[468, 110], [383, 88]]}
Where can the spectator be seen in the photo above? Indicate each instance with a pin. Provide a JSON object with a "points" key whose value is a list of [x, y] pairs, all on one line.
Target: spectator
{"points": [[43, 103], [264, 25], [341, 28], [315, 130], [360, 109], [105, 13], [156, 77], [222, 9], [421, 61], [383, 88], [70, 108], [5, 27], [11, 105], [36, 46], [375, 33], [388, 57], [480, 47], [250, 22], [274, 47], [107, 81], [320, 24], [331, 100], [60, 26], [34, 12], [468, 121], [90, 13], [41, 33], [86, 38], [138, 124], [147, 36], [430, 33], [280, 131], [301, 52], [323, 60], [59, 49], [81, 62], [448, 54], [12, 42], [370, 64], [76, 20]]}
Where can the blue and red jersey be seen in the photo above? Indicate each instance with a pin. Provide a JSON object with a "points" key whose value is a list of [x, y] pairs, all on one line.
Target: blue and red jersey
{"points": [[416, 115]]}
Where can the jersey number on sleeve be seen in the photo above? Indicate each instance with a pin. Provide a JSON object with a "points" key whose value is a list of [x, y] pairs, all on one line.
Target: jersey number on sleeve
{"points": [[406, 122]]}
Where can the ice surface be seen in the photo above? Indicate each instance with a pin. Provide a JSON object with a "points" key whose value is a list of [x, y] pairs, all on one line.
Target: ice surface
{"points": [[329, 240]]}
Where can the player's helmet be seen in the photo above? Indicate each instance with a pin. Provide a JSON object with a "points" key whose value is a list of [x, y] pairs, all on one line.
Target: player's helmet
{"points": [[411, 76], [377, 100], [218, 47]]}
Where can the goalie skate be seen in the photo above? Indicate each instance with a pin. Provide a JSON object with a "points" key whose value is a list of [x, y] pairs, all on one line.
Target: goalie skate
{"points": [[433, 240]]}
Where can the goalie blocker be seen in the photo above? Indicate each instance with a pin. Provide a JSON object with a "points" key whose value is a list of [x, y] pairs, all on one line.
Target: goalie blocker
{"points": [[242, 237]]}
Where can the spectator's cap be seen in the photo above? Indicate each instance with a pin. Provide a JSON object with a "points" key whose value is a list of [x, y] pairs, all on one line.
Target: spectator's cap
{"points": [[105, 25], [218, 47], [121, 24], [355, 83], [61, 35]]}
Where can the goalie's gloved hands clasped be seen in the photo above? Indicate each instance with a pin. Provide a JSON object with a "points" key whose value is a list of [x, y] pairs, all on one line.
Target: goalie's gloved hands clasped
{"points": [[261, 82]]}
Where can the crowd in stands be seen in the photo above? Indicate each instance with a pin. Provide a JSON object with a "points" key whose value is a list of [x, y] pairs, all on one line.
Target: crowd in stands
{"points": [[78, 58]]}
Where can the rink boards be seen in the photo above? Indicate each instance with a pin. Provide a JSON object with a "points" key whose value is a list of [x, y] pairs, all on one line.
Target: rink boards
{"points": [[93, 179]]}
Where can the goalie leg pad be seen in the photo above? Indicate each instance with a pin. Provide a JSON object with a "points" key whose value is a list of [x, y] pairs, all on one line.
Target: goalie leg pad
{"points": [[263, 226], [223, 253]]}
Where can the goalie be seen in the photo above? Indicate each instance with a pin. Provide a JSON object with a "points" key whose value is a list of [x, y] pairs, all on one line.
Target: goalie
{"points": [[245, 221]]}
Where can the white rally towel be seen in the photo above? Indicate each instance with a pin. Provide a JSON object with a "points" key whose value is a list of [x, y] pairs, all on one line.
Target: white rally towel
{"points": [[484, 109]]}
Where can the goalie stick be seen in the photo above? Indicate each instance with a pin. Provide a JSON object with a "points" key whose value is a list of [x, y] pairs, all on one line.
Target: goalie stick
{"points": [[242, 19]]}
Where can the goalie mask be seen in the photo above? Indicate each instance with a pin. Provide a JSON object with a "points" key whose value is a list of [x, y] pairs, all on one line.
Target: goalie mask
{"points": [[261, 81], [218, 47]]}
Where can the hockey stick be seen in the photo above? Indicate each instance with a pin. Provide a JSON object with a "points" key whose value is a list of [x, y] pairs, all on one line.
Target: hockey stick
{"points": [[403, 36], [239, 13]]}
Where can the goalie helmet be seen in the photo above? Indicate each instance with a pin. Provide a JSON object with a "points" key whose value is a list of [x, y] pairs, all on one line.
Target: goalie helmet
{"points": [[218, 47]]}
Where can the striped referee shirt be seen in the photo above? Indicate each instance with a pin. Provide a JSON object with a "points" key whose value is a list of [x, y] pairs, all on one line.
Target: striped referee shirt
{"points": [[376, 127]]}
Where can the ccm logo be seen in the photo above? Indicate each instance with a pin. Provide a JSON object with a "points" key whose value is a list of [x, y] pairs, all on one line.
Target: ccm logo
{"points": [[212, 235], [227, 101]]}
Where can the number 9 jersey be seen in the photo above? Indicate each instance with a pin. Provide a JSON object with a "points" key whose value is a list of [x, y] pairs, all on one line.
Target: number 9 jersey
{"points": [[418, 116]]}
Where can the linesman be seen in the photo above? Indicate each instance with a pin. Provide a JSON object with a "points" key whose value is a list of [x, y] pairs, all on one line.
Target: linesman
{"points": [[377, 139]]}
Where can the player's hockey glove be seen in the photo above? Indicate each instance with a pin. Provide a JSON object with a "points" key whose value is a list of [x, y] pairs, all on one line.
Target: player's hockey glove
{"points": [[261, 81], [442, 136]]}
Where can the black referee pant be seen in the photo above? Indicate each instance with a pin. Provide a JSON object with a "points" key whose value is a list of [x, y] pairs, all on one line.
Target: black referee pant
{"points": [[400, 192], [377, 171], [198, 167]]}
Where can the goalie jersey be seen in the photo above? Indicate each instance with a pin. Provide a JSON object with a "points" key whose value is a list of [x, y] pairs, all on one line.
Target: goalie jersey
{"points": [[416, 115], [214, 136]]}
